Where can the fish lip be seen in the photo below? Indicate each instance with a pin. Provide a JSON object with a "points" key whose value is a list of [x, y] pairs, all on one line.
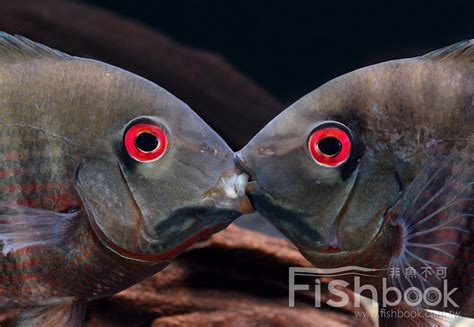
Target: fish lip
{"points": [[234, 186], [230, 192], [252, 184], [240, 163]]}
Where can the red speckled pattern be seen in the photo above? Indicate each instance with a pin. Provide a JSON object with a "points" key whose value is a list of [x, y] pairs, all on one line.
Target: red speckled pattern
{"points": [[37, 170]]}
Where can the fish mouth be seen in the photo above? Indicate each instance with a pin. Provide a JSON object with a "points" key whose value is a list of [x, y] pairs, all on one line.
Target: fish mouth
{"points": [[240, 163], [252, 183], [230, 192]]}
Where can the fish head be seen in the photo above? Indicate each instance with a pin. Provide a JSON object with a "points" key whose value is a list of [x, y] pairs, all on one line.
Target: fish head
{"points": [[308, 171], [159, 178], [328, 168]]}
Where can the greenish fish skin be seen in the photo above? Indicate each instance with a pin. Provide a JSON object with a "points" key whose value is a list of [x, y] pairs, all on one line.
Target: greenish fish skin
{"points": [[404, 117], [79, 217]]}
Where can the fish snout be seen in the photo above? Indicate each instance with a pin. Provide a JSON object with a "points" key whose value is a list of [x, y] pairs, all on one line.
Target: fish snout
{"points": [[229, 193], [233, 186], [243, 166]]}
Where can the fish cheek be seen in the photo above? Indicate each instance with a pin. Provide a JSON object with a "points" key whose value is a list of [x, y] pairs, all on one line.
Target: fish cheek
{"points": [[299, 197], [113, 212], [377, 188]]}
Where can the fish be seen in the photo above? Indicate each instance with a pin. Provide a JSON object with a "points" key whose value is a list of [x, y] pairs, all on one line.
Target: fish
{"points": [[375, 169], [105, 177]]}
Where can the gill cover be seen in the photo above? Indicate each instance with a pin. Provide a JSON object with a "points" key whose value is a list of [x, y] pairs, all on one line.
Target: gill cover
{"points": [[114, 214]]}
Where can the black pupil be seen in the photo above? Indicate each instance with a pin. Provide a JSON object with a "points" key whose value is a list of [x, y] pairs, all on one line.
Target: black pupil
{"points": [[147, 142], [329, 146]]}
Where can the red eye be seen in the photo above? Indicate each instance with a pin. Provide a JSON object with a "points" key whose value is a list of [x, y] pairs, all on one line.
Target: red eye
{"points": [[330, 146], [145, 142]]}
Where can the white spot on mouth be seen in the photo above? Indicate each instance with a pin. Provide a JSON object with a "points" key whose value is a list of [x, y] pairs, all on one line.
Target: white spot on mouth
{"points": [[241, 184], [234, 186]]}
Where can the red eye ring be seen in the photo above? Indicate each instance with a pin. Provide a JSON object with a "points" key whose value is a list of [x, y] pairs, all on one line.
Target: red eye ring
{"points": [[140, 131], [330, 160]]}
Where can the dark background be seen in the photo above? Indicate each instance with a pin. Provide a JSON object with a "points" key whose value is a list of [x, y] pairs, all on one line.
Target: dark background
{"points": [[291, 47]]}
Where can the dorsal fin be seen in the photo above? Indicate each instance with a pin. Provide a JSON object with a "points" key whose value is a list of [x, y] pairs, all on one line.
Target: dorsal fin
{"points": [[463, 50], [18, 47]]}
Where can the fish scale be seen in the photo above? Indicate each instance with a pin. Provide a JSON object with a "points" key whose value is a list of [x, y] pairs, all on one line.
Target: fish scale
{"points": [[86, 269], [396, 190], [29, 282], [85, 210], [35, 173], [38, 162]]}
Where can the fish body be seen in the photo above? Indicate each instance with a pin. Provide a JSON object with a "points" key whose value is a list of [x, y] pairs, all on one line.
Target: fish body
{"points": [[374, 169], [104, 178]]}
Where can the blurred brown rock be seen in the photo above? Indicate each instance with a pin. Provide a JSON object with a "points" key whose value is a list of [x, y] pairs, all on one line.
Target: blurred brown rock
{"points": [[232, 104]]}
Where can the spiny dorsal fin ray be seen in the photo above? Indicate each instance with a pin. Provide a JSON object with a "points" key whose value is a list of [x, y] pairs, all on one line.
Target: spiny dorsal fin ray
{"points": [[16, 47], [463, 50]]}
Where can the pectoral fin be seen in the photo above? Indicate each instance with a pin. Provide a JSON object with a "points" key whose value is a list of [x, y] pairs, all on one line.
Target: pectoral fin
{"points": [[68, 312], [22, 226], [435, 217]]}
